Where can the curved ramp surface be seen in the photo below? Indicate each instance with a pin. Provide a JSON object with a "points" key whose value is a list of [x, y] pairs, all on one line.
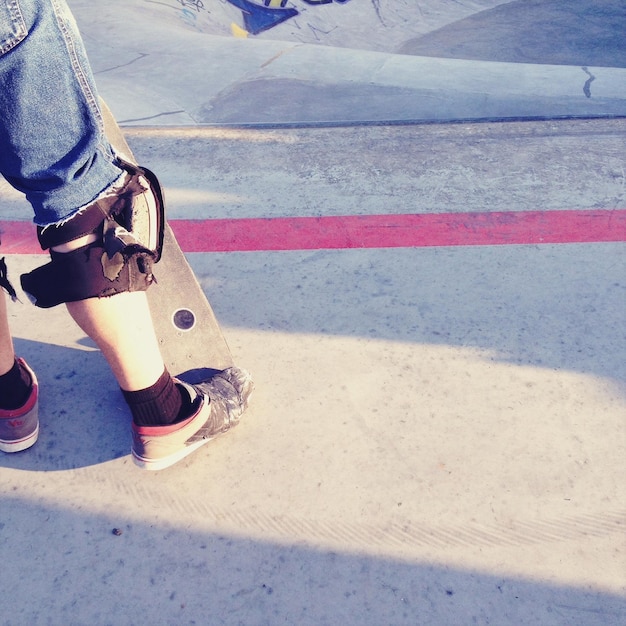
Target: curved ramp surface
{"points": [[181, 62], [381, 25]]}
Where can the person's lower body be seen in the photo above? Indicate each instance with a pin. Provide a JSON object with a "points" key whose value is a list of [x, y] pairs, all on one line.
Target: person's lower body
{"points": [[53, 149]]}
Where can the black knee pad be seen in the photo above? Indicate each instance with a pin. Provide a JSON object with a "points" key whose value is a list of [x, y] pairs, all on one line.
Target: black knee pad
{"points": [[88, 272], [123, 255]]}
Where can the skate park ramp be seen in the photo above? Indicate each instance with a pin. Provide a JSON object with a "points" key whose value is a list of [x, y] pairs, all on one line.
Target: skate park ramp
{"points": [[308, 61]]}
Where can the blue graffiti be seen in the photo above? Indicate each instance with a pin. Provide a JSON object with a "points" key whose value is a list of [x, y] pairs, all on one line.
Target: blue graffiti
{"points": [[325, 1], [257, 18], [261, 17], [198, 5]]}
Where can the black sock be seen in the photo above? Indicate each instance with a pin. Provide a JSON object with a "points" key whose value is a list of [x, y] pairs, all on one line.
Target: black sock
{"points": [[161, 404], [15, 387]]}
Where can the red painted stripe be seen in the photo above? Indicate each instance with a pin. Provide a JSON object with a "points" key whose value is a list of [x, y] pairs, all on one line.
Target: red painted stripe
{"points": [[18, 238], [375, 231], [401, 231]]}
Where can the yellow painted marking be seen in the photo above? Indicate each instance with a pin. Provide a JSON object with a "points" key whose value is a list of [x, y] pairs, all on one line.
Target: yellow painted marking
{"points": [[237, 31]]}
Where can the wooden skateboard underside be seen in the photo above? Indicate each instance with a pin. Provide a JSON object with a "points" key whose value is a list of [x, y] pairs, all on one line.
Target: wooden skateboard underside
{"points": [[192, 343]]}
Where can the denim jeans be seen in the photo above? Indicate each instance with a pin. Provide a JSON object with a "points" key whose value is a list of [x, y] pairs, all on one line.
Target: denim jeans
{"points": [[52, 143]]}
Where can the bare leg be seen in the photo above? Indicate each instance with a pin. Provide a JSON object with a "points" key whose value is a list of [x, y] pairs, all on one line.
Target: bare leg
{"points": [[121, 326], [7, 354]]}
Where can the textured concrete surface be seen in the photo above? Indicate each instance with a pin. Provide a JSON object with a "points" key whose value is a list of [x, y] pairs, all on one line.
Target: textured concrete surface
{"points": [[437, 435]]}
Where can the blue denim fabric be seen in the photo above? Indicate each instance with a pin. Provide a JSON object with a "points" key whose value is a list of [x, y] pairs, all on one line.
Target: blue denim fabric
{"points": [[52, 144]]}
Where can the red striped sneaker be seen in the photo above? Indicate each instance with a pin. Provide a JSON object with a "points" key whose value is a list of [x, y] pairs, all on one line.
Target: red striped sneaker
{"points": [[19, 428], [218, 405]]}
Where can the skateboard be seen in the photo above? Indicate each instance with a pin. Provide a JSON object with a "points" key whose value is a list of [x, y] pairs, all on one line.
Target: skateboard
{"points": [[192, 344]]}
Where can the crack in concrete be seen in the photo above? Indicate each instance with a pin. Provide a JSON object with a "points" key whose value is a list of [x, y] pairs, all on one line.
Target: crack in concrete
{"points": [[141, 55], [151, 117], [587, 85]]}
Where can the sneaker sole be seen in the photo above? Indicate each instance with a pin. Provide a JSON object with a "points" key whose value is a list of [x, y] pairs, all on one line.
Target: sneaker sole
{"points": [[167, 461], [22, 444]]}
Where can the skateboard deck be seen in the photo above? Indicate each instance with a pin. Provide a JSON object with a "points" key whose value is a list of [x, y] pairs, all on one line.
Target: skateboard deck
{"points": [[192, 343]]}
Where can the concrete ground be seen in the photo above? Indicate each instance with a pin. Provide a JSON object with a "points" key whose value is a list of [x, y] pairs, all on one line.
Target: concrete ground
{"points": [[437, 434]]}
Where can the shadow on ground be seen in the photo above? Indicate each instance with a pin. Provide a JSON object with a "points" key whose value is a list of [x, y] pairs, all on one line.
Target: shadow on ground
{"points": [[84, 419], [588, 32], [111, 569]]}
